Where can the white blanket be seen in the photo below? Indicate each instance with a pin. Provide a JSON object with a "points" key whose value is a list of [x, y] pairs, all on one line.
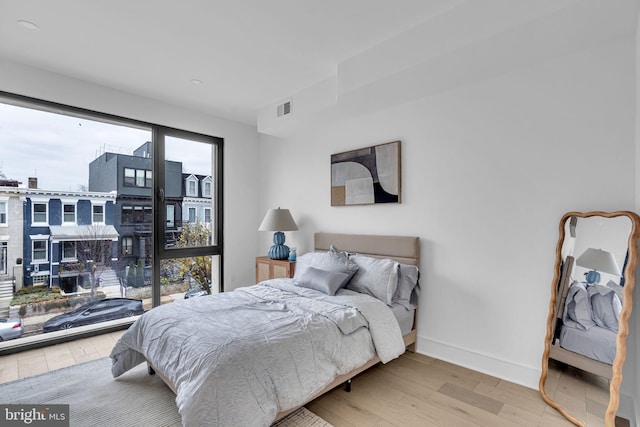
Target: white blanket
{"points": [[239, 358]]}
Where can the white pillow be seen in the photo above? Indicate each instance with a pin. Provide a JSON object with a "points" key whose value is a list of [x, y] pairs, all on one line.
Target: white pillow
{"points": [[377, 277]]}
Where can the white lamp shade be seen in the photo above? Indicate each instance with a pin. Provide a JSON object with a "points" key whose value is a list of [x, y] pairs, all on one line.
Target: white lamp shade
{"points": [[278, 220], [599, 260]]}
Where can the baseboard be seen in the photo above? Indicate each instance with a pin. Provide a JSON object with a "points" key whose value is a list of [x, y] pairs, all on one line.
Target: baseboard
{"points": [[487, 364]]}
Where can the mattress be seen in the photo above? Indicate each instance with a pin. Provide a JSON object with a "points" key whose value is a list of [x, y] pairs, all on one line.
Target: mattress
{"points": [[595, 343], [404, 317]]}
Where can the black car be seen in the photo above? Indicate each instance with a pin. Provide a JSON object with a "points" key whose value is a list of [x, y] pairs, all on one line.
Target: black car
{"points": [[95, 312], [195, 292]]}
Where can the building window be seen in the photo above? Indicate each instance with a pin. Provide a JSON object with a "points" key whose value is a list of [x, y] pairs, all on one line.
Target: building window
{"points": [[137, 178], [40, 213], [191, 186], [3, 258], [98, 214], [140, 178], [3, 213], [171, 216], [40, 280], [69, 251], [127, 245], [138, 214], [147, 215], [129, 177], [207, 215], [69, 213], [127, 214], [39, 253], [192, 214], [206, 188]]}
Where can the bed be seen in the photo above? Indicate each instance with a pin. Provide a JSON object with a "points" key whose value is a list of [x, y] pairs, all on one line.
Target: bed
{"points": [[253, 355], [586, 323]]}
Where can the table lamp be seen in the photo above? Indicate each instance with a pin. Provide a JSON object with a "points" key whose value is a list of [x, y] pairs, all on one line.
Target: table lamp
{"points": [[597, 260], [278, 220]]}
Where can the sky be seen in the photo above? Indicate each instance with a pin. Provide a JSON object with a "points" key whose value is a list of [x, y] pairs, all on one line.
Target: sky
{"points": [[57, 148]]}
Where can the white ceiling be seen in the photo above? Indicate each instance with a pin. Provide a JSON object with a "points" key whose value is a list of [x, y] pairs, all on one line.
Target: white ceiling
{"points": [[247, 53]]}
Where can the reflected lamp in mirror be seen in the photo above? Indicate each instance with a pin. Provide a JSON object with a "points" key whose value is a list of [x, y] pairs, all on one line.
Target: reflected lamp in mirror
{"points": [[278, 220], [597, 260]]}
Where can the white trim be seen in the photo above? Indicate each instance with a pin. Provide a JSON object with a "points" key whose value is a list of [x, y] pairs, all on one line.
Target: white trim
{"points": [[187, 180], [75, 212], [39, 199], [209, 180], [6, 212], [39, 236], [104, 210], [33, 213], [526, 376], [69, 201]]}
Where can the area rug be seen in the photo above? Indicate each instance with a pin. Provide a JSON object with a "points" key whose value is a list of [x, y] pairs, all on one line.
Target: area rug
{"points": [[96, 399]]}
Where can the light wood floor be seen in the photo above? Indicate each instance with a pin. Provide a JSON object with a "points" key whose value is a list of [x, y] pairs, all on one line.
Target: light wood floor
{"points": [[413, 390], [33, 362], [416, 390]]}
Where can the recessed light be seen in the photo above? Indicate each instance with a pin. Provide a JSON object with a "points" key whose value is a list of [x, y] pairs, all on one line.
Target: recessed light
{"points": [[28, 25], [196, 81]]}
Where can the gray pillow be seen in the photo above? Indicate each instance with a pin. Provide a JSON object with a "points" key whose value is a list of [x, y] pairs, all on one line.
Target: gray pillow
{"points": [[578, 306], [324, 281], [333, 260], [616, 287], [408, 287], [377, 277], [605, 306]]}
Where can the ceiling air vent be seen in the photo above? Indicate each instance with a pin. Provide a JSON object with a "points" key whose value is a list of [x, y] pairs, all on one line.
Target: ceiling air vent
{"points": [[284, 109]]}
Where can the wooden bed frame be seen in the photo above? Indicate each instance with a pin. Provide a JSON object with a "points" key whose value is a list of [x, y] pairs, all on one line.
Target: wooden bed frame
{"points": [[404, 249]]}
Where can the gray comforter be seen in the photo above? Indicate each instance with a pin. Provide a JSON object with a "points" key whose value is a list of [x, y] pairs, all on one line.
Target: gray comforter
{"points": [[238, 358]]}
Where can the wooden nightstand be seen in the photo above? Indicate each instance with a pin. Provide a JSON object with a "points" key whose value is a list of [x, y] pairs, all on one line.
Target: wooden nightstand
{"points": [[267, 268]]}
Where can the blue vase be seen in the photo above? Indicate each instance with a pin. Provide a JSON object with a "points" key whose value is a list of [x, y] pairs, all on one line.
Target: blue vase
{"points": [[279, 250], [592, 277]]}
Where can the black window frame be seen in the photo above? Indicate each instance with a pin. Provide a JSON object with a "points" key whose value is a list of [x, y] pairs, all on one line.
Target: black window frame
{"points": [[155, 177]]}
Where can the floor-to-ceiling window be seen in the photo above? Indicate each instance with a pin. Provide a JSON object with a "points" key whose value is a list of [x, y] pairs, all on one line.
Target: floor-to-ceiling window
{"points": [[96, 206]]}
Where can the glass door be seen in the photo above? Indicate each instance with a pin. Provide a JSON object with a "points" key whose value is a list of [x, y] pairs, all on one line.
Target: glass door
{"points": [[188, 193]]}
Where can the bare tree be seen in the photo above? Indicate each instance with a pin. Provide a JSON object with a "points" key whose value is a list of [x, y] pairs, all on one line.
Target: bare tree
{"points": [[93, 254]]}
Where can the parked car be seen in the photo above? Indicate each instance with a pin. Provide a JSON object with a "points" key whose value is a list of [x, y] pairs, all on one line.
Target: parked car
{"points": [[195, 292], [10, 329], [95, 312]]}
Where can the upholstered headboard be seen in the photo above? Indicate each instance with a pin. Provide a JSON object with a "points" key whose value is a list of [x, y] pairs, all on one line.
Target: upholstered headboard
{"points": [[404, 249]]}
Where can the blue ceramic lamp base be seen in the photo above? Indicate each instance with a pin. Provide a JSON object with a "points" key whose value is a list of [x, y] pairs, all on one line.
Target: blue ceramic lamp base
{"points": [[592, 277], [279, 250]]}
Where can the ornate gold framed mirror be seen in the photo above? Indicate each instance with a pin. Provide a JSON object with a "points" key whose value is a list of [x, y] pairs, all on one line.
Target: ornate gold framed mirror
{"points": [[588, 321]]}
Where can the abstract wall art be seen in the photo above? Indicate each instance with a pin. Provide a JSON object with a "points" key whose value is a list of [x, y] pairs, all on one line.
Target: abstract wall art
{"points": [[366, 176]]}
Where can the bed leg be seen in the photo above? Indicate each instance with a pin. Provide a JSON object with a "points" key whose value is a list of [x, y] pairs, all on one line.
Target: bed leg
{"points": [[347, 386], [150, 370]]}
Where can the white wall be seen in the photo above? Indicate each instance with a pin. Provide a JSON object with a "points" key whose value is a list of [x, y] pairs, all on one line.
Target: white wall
{"points": [[241, 216], [488, 169]]}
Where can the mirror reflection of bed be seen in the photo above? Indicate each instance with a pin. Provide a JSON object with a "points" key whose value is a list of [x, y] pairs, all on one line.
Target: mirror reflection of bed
{"points": [[585, 324]]}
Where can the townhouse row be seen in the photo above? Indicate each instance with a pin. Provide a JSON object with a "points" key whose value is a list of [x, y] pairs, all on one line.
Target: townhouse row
{"points": [[54, 237]]}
